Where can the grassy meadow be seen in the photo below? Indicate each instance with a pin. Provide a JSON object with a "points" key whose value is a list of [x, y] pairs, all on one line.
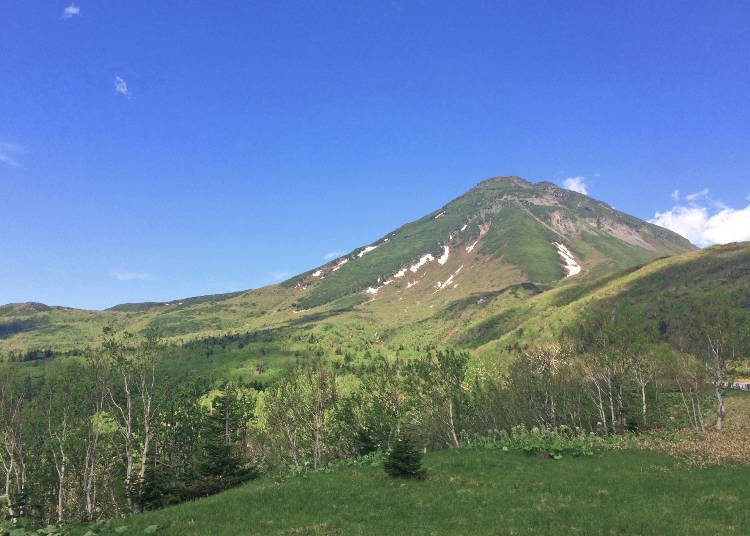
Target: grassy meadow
{"points": [[477, 491]]}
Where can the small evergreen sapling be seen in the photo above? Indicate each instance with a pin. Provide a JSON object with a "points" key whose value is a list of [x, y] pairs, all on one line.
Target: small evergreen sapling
{"points": [[404, 460]]}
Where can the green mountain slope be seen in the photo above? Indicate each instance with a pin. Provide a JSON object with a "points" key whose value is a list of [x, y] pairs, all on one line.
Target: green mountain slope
{"points": [[501, 243], [661, 288], [513, 221]]}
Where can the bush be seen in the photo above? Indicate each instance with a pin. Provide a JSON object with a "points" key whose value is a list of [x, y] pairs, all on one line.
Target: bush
{"points": [[404, 460], [552, 442], [205, 485]]}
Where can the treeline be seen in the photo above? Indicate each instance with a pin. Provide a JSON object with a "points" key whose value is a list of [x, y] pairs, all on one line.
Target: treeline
{"points": [[114, 436]]}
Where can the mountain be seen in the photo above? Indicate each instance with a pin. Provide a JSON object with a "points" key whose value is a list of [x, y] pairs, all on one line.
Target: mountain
{"points": [[500, 244], [508, 228]]}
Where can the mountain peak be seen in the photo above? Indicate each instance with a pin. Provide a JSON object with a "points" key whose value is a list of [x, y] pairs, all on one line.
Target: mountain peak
{"points": [[504, 180], [504, 231]]}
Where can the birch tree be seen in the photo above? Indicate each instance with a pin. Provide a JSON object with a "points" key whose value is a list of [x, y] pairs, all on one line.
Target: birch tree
{"points": [[718, 331], [12, 405], [436, 383], [60, 405]]}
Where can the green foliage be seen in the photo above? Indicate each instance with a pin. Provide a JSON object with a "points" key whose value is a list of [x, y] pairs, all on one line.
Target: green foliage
{"points": [[435, 382], [20, 528], [548, 442], [218, 466], [216, 458], [404, 459]]}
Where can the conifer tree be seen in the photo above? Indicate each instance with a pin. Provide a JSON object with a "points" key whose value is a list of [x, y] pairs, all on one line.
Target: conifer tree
{"points": [[404, 459], [216, 458]]}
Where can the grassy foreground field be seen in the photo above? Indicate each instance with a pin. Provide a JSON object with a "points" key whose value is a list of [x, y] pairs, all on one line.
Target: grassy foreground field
{"points": [[471, 491]]}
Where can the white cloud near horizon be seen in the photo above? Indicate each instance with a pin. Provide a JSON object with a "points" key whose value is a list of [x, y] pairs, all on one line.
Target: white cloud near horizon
{"points": [[706, 222], [577, 184], [332, 255], [121, 86], [71, 11], [124, 275]]}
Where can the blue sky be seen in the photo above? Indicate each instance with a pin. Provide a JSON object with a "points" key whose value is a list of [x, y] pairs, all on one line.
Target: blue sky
{"points": [[153, 150]]}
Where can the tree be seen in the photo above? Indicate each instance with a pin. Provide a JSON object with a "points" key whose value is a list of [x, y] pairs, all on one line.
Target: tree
{"points": [[145, 368], [382, 402], [543, 368], [13, 401], [603, 363], [131, 384], [94, 404], [404, 460], [718, 333], [216, 459], [118, 388], [436, 382], [60, 406], [322, 388], [633, 335], [689, 375], [298, 409]]}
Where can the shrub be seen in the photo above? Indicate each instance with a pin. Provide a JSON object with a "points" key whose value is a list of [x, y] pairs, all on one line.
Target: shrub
{"points": [[552, 442], [404, 460]]}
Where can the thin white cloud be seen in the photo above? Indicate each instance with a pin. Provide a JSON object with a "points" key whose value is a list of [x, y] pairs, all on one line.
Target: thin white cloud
{"points": [[8, 152], [332, 255], [5, 159], [577, 184], [124, 275], [697, 195], [71, 11], [280, 276], [706, 222], [676, 195], [121, 86]]}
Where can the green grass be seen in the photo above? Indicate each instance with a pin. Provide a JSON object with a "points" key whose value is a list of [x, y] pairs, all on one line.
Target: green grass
{"points": [[479, 492], [525, 243]]}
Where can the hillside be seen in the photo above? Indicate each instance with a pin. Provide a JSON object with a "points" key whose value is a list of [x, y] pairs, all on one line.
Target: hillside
{"points": [[473, 491], [507, 238], [448, 349]]}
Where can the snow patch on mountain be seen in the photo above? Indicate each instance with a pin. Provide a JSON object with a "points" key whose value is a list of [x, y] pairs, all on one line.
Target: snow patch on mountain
{"points": [[444, 257], [571, 267], [424, 259], [447, 282], [482, 231], [368, 249], [341, 263]]}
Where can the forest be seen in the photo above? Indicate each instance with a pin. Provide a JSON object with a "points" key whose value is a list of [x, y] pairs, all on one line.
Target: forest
{"points": [[112, 433]]}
